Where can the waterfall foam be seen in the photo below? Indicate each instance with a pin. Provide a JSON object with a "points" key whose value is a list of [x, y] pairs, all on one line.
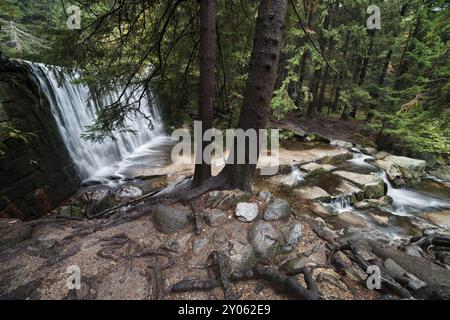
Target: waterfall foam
{"points": [[74, 110]]}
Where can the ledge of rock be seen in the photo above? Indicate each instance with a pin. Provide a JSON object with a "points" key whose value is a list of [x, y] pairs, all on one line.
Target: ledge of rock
{"points": [[400, 170], [372, 186]]}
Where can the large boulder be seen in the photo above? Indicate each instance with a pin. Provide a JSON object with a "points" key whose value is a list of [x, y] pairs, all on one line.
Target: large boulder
{"points": [[349, 191], [170, 219], [313, 193], [372, 186], [400, 170], [265, 241], [277, 210]]}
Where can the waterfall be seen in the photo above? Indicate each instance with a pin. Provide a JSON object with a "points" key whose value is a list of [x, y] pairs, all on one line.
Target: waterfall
{"points": [[408, 201], [74, 110]]}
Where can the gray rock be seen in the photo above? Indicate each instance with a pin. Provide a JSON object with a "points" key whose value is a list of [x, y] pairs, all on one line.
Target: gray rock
{"points": [[372, 186], [400, 168], [242, 257], [277, 210], [170, 219], [215, 217], [313, 193], [247, 212], [320, 210], [341, 144], [353, 219], [265, 241], [220, 236], [292, 235]]}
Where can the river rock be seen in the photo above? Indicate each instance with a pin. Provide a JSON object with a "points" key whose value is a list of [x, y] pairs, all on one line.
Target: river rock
{"points": [[372, 186], [369, 151], [383, 202], [316, 168], [441, 218], [170, 219], [320, 210], [349, 191], [341, 144], [313, 193], [401, 169], [336, 156], [379, 219], [215, 217], [246, 211], [292, 234], [265, 241], [277, 210], [353, 219]]}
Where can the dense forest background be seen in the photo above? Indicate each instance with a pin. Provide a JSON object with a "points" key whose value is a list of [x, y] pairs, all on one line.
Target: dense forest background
{"points": [[331, 66]]}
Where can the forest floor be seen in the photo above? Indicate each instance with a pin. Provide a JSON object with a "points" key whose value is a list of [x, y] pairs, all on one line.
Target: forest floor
{"points": [[144, 251]]}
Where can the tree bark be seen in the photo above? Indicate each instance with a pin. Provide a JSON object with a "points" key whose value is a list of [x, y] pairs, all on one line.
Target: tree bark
{"points": [[260, 85], [207, 81], [341, 79], [383, 73], [362, 75]]}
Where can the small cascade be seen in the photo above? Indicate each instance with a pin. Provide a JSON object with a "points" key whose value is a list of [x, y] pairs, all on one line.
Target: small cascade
{"points": [[360, 159], [408, 202], [340, 204], [295, 178]]}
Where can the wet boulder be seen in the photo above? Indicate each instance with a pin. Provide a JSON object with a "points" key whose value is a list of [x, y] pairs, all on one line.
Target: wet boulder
{"points": [[372, 186], [341, 144], [401, 170], [313, 193]]}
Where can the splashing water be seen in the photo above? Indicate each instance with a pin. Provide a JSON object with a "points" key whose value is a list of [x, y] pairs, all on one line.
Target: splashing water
{"points": [[74, 110], [407, 201]]}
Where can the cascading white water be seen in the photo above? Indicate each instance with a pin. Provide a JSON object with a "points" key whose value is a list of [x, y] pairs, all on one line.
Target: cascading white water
{"points": [[407, 202], [360, 159], [74, 110]]}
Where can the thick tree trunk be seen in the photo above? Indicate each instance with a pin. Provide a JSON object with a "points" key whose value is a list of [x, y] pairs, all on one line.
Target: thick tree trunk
{"points": [[207, 81], [260, 84], [386, 63], [341, 79]]}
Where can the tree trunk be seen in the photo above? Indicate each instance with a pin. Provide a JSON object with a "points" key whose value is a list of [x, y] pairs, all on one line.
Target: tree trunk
{"points": [[387, 60], [260, 85], [305, 56], [403, 65], [362, 76], [207, 82], [341, 79]]}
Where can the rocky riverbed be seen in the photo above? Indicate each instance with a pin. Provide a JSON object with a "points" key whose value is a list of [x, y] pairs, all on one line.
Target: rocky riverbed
{"points": [[332, 211]]}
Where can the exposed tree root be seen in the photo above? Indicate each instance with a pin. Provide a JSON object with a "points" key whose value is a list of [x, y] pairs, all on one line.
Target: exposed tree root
{"points": [[388, 283], [259, 272]]}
